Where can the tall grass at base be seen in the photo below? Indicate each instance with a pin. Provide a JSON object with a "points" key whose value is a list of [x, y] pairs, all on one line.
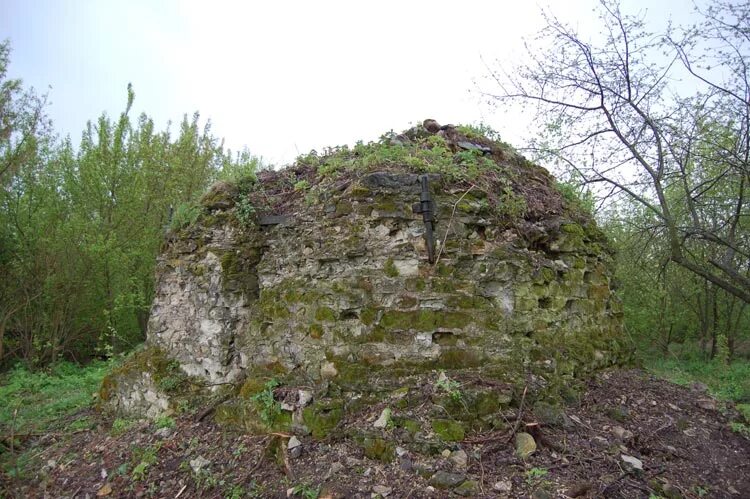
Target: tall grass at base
{"points": [[32, 402]]}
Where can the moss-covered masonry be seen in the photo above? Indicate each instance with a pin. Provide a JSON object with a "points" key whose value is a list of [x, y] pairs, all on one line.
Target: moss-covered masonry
{"points": [[205, 282], [343, 290], [141, 386]]}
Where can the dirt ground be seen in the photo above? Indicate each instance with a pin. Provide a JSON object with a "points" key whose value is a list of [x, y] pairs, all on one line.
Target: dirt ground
{"points": [[631, 435]]}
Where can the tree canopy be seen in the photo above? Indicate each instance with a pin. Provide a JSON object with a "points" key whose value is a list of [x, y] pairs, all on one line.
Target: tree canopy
{"points": [[81, 225], [659, 118]]}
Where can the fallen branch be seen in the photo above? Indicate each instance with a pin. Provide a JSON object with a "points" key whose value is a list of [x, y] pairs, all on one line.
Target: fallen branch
{"points": [[520, 414], [497, 436], [181, 491]]}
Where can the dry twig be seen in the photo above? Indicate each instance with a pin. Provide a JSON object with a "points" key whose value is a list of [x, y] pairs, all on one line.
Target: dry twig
{"points": [[520, 413], [448, 228]]}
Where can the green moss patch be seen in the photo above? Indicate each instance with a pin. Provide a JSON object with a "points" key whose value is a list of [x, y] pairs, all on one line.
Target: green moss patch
{"points": [[323, 416], [424, 320], [390, 268], [448, 430], [325, 314], [239, 270], [379, 449]]}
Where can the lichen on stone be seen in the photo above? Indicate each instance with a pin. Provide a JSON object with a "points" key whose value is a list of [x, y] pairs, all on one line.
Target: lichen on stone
{"points": [[331, 287]]}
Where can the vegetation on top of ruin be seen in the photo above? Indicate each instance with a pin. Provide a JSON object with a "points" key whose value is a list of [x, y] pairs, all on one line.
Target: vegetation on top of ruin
{"points": [[467, 158]]}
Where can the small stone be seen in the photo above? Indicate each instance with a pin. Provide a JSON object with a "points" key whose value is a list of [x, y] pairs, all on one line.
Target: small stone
{"points": [[622, 433], [423, 471], [503, 486], [406, 465], [305, 397], [579, 489], [293, 443], [431, 125], [105, 490], [603, 442], [400, 451], [220, 196], [706, 403], [445, 480], [525, 445], [459, 458], [298, 427], [382, 490], [541, 494], [407, 267], [163, 432], [446, 453], [632, 461], [199, 463], [384, 419], [295, 453], [671, 492], [400, 393], [700, 387], [552, 415], [468, 488], [335, 468], [328, 370]]}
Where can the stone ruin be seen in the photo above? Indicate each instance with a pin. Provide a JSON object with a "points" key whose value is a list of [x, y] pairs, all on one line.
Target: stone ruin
{"points": [[338, 279]]}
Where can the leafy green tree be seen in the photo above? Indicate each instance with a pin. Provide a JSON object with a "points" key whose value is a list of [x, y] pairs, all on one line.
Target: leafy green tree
{"points": [[25, 139], [23, 121], [81, 229], [621, 113]]}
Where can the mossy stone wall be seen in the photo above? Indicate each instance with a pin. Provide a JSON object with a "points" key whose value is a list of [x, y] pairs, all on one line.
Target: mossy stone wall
{"points": [[343, 289]]}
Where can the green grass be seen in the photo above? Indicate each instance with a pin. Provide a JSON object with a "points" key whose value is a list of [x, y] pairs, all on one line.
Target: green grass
{"points": [[726, 382], [121, 425], [32, 402], [37, 402]]}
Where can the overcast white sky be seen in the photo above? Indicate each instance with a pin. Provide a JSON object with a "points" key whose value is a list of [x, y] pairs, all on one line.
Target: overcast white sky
{"points": [[280, 77]]}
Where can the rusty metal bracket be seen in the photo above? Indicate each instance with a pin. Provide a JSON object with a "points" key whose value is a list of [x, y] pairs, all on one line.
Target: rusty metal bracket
{"points": [[427, 208]]}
